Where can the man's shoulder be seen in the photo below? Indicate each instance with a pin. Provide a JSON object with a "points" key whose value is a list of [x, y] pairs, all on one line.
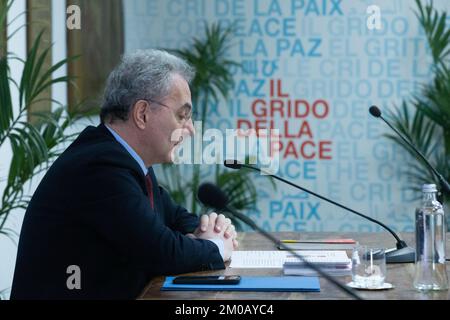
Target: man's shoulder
{"points": [[94, 137], [93, 167], [96, 147]]}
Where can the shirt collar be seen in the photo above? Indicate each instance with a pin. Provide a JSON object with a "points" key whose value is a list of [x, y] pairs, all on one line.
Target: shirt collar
{"points": [[129, 149]]}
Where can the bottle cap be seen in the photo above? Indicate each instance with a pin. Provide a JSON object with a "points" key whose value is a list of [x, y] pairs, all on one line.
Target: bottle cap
{"points": [[429, 188]]}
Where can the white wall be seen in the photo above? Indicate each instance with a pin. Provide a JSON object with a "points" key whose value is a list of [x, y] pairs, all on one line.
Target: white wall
{"points": [[59, 49]]}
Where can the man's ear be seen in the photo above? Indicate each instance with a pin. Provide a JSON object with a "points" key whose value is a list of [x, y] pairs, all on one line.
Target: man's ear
{"points": [[139, 114]]}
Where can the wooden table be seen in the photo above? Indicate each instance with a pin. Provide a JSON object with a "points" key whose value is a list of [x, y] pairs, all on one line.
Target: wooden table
{"points": [[400, 275]]}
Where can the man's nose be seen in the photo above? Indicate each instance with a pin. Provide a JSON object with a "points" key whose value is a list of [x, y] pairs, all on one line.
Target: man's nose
{"points": [[190, 127]]}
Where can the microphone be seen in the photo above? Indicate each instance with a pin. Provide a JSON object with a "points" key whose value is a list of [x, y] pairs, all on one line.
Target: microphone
{"points": [[212, 196], [376, 112], [401, 254]]}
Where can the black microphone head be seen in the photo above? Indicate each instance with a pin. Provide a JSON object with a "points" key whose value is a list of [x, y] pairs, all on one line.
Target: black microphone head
{"points": [[212, 196], [232, 164], [375, 111]]}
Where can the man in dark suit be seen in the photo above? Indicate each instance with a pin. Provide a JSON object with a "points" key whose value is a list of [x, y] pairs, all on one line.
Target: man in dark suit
{"points": [[99, 226]]}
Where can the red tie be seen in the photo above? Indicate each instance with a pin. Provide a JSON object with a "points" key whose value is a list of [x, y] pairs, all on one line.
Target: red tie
{"points": [[148, 182]]}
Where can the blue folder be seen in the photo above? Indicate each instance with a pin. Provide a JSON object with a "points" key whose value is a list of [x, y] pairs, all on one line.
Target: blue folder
{"points": [[282, 283]]}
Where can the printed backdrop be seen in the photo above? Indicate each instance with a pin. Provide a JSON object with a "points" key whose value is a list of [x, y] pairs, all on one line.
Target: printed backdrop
{"points": [[311, 68]]}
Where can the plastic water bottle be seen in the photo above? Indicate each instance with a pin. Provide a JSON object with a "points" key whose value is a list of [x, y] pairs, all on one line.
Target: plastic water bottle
{"points": [[430, 273]]}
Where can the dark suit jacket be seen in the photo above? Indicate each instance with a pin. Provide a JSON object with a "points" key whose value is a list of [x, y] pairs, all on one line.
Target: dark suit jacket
{"points": [[91, 210]]}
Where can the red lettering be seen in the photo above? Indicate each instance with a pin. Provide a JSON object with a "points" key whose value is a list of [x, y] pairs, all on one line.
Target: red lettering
{"points": [[280, 94], [290, 150], [307, 150], [323, 149], [305, 129], [325, 111], [260, 124], [286, 130], [303, 152], [255, 110], [275, 147], [241, 122], [274, 108], [298, 104], [290, 108]]}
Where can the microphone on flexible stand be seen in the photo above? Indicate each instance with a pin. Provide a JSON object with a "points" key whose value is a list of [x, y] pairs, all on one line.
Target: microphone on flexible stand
{"points": [[376, 112], [212, 196], [402, 253]]}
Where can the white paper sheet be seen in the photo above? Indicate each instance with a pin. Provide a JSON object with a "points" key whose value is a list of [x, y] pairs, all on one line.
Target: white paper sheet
{"points": [[258, 259], [275, 259]]}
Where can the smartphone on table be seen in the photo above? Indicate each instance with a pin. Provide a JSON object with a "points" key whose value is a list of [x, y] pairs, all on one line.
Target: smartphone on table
{"points": [[207, 280]]}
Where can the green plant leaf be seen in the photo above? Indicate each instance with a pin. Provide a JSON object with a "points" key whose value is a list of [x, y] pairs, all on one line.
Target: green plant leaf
{"points": [[33, 146], [428, 127], [434, 25], [6, 107]]}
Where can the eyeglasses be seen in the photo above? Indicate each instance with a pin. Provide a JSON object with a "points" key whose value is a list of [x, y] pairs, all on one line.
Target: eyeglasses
{"points": [[182, 116]]}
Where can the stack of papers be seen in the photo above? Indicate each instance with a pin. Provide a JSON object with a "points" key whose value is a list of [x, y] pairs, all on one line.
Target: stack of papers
{"points": [[319, 244], [258, 259], [335, 263]]}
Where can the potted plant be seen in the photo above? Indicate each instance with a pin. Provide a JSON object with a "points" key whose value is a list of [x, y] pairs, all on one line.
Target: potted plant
{"points": [[424, 119], [34, 145]]}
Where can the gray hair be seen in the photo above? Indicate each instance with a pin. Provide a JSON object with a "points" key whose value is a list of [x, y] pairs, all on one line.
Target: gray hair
{"points": [[142, 75]]}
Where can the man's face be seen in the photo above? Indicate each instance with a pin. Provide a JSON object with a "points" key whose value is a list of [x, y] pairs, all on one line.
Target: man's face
{"points": [[169, 121]]}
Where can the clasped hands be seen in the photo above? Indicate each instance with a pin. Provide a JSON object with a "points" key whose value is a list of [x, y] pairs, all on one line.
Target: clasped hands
{"points": [[214, 226]]}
